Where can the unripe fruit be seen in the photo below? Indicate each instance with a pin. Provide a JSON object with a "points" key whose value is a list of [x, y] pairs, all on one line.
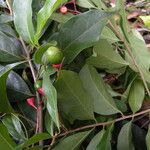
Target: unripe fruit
{"points": [[53, 55], [41, 91], [63, 9], [38, 84]]}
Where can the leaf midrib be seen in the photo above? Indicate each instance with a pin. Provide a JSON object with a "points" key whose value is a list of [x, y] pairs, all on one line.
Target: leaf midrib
{"points": [[76, 97], [85, 32], [105, 100]]}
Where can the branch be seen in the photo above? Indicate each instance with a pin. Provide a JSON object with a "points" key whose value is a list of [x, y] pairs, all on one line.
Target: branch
{"points": [[105, 123], [29, 59], [39, 126]]}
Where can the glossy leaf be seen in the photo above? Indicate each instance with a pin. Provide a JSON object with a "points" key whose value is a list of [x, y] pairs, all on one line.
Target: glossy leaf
{"points": [[73, 100], [148, 139], [44, 14], [5, 141], [10, 49], [106, 57], [3, 4], [4, 104], [40, 51], [139, 135], [7, 29], [125, 138], [17, 89], [93, 145], [28, 111], [80, 32], [4, 18], [72, 142], [51, 98], [105, 143], [136, 95], [23, 19], [34, 139], [14, 128], [95, 86]]}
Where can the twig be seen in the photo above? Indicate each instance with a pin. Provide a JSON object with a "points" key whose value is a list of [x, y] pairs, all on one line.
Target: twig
{"points": [[40, 117], [53, 141], [105, 123], [9, 7], [28, 59], [132, 56], [39, 126]]}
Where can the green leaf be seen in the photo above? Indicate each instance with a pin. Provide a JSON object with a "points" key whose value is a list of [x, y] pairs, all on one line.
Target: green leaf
{"points": [[85, 3], [140, 53], [138, 136], [106, 57], [91, 4], [121, 105], [4, 104], [72, 142], [61, 18], [139, 50], [95, 141], [3, 4], [105, 143], [14, 128], [35, 148], [5, 18], [51, 98], [5, 141], [127, 91], [41, 50], [80, 32], [49, 124], [109, 35], [99, 3], [74, 102], [136, 95], [44, 14], [27, 111], [34, 139], [10, 49], [17, 89], [95, 86], [148, 139], [125, 138], [23, 19], [120, 5], [7, 29]]}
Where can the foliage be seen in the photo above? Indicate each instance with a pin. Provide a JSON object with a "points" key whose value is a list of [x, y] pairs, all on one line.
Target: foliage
{"points": [[96, 98]]}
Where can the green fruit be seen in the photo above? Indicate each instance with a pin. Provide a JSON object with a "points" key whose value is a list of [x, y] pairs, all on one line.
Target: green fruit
{"points": [[53, 55], [38, 84]]}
